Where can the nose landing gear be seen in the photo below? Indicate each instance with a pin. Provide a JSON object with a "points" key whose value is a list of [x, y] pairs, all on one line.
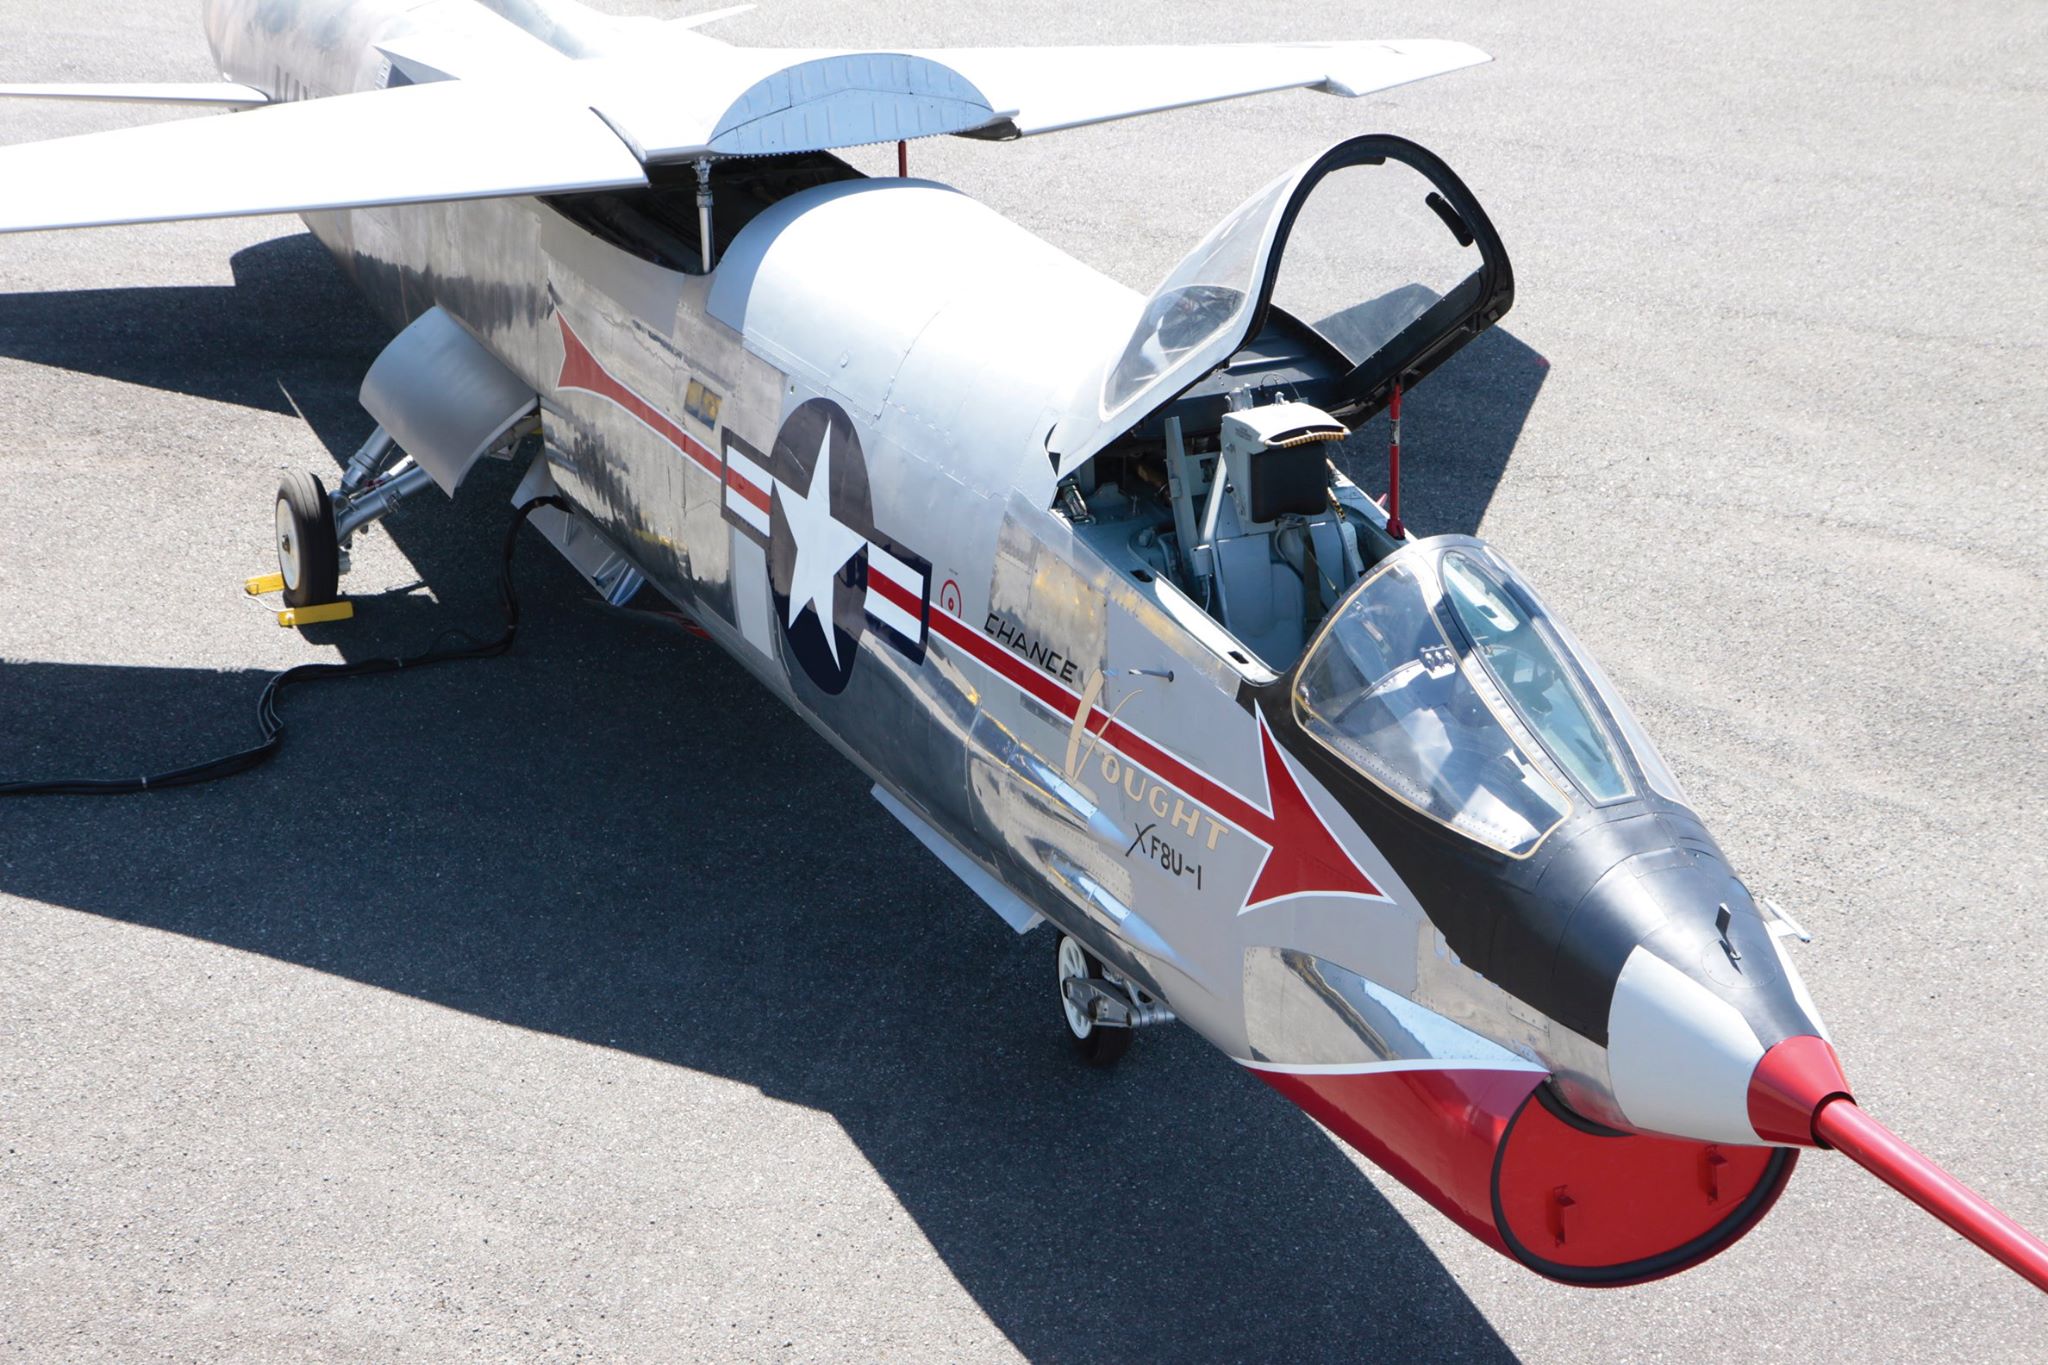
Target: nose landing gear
{"points": [[1102, 1006]]}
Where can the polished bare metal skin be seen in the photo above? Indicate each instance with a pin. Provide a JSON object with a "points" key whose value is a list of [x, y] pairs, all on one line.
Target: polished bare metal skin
{"points": [[879, 297]]}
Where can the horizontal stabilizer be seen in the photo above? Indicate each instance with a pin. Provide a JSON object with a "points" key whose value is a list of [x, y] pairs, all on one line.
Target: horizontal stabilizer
{"points": [[413, 144], [219, 94]]}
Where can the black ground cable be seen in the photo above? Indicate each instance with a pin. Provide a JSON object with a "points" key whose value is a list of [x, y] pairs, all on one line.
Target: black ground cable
{"points": [[267, 719]]}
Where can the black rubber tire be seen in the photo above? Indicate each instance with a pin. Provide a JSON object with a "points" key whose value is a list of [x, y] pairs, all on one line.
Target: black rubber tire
{"points": [[302, 500], [1103, 1046]]}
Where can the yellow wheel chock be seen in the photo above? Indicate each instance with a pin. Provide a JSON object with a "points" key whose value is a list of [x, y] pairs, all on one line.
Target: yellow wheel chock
{"points": [[313, 615]]}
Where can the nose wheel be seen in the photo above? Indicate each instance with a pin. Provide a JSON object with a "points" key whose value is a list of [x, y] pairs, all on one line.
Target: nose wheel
{"points": [[1099, 1044], [308, 552]]}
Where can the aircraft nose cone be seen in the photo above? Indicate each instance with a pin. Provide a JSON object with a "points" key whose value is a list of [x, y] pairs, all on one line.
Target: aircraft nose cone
{"points": [[1703, 995], [1789, 1086]]}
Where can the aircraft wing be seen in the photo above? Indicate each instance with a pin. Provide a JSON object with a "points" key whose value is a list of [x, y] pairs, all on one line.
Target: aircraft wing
{"points": [[485, 120], [216, 94], [1054, 88], [448, 140], [756, 101]]}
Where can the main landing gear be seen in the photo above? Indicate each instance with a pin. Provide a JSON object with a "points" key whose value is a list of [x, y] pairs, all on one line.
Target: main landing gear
{"points": [[308, 552], [314, 527], [438, 392], [1103, 1007]]}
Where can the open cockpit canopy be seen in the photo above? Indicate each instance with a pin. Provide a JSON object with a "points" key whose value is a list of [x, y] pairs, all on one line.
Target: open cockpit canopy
{"points": [[1358, 271], [1368, 265]]}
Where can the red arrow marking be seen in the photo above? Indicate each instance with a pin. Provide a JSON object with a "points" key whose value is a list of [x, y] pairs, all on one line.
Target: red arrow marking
{"points": [[1302, 855], [584, 371]]}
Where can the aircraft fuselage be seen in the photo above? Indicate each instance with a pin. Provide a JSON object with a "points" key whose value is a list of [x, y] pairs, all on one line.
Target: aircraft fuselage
{"points": [[834, 451]]}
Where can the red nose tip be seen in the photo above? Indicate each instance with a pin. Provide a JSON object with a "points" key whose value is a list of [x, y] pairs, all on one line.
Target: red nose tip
{"points": [[1794, 1079], [1798, 1094]]}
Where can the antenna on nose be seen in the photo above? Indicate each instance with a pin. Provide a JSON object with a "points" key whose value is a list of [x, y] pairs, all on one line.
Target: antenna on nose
{"points": [[1722, 923], [1842, 1125], [1799, 1095]]}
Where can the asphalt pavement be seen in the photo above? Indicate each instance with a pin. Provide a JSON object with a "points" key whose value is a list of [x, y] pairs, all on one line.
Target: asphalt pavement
{"points": [[582, 1004]]}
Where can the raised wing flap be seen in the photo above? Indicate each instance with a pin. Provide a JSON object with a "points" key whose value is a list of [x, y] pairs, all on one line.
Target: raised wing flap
{"points": [[753, 103], [450, 140]]}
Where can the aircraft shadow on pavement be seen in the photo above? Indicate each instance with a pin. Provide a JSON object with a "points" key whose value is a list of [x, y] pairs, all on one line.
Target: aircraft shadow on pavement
{"points": [[290, 318], [614, 835]]}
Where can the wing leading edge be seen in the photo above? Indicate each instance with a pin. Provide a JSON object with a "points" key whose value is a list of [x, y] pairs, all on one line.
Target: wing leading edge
{"points": [[413, 144], [754, 101], [205, 94]]}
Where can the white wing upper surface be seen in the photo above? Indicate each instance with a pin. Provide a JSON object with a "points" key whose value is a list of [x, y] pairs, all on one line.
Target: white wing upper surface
{"points": [[1055, 88], [451, 140], [512, 116], [753, 101]]}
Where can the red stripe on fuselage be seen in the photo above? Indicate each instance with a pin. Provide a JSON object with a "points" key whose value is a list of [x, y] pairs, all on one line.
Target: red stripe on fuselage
{"points": [[1013, 669], [1304, 855], [895, 592], [747, 488], [583, 371]]}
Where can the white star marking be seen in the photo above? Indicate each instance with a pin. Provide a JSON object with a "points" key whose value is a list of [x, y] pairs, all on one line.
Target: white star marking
{"points": [[823, 544]]}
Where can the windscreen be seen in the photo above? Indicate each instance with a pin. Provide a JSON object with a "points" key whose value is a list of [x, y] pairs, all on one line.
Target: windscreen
{"points": [[1520, 653], [1444, 680], [1386, 689]]}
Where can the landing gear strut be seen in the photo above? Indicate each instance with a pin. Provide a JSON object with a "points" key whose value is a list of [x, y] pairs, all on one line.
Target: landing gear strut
{"points": [[314, 527], [1100, 1044], [1102, 1006]]}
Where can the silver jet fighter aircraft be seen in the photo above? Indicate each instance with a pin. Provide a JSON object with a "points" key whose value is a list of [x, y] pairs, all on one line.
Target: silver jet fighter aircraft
{"points": [[1066, 570]]}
